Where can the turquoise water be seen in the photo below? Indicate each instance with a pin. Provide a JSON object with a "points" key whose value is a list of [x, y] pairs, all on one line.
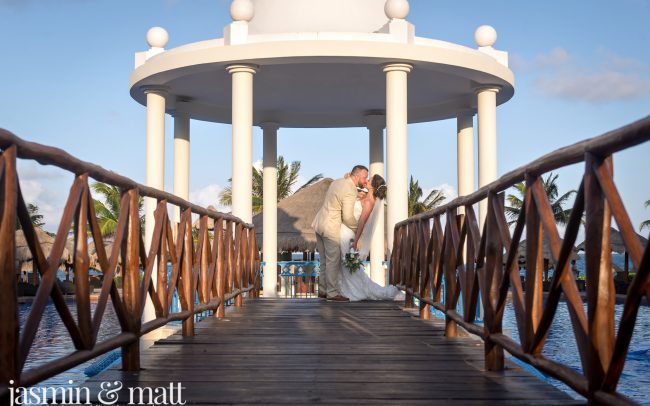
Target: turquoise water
{"points": [[561, 346], [53, 341]]}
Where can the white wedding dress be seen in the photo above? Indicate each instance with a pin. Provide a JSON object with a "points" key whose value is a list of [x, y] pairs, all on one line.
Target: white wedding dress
{"points": [[358, 285]]}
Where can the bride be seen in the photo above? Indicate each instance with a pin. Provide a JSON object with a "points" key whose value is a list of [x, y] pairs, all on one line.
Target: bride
{"points": [[358, 285]]}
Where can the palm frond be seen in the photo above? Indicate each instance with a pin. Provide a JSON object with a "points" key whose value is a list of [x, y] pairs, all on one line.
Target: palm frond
{"points": [[225, 196], [434, 199], [644, 225], [311, 181]]}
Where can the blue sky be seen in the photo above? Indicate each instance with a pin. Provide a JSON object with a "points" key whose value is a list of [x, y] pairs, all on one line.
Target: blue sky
{"points": [[582, 68]]}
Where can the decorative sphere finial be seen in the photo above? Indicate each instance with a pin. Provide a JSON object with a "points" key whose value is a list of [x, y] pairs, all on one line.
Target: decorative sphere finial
{"points": [[242, 10], [396, 9], [485, 36], [157, 37]]}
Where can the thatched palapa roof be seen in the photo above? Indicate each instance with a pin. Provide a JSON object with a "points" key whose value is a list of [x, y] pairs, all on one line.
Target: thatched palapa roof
{"points": [[295, 215], [546, 251], [616, 241], [24, 254]]}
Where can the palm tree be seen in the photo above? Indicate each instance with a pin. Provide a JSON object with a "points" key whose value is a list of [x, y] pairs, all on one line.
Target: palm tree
{"points": [[560, 214], [35, 217], [287, 178], [108, 211], [416, 204], [645, 224]]}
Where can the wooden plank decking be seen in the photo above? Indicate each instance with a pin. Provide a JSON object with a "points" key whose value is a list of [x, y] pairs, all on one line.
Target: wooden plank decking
{"points": [[309, 351]]}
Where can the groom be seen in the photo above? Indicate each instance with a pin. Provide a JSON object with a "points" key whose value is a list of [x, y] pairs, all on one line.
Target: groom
{"points": [[337, 209]]}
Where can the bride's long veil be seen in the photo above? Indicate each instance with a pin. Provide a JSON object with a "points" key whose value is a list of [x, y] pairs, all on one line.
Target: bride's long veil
{"points": [[369, 229]]}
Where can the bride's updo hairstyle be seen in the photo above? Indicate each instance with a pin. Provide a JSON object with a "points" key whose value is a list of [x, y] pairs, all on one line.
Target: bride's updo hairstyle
{"points": [[379, 184]]}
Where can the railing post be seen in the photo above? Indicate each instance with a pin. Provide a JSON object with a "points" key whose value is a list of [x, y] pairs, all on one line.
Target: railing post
{"points": [[394, 258], [407, 264], [245, 263], [252, 259], [449, 274], [187, 276], [494, 359], [131, 284], [230, 256], [9, 328], [220, 270], [598, 265], [425, 289], [81, 266], [204, 289], [534, 265], [238, 263]]}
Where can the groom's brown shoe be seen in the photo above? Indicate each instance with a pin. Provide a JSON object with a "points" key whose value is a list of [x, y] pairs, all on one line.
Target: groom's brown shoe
{"points": [[338, 298], [322, 295]]}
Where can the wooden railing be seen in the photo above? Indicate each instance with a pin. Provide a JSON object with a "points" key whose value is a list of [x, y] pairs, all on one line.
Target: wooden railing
{"points": [[218, 268], [471, 259]]}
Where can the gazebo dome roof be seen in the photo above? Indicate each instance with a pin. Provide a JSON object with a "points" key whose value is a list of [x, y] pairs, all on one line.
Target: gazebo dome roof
{"points": [[328, 76], [282, 16]]}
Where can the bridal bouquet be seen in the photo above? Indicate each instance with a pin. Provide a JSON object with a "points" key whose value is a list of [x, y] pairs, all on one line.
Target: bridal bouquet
{"points": [[352, 260]]}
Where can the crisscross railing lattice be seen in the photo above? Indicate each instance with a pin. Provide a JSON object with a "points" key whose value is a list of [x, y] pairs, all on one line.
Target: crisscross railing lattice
{"points": [[472, 260]]}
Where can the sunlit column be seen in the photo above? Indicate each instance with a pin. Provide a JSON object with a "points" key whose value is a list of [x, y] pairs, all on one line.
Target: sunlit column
{"points": [[465, 155], [242, 140], [155, 171], [487, 141], [181, 155], [396, 144], [375, 125], [270, 213]]}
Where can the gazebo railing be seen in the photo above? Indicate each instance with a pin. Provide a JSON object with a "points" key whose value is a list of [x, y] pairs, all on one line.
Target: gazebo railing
{"points": [[300, 279], [470, 259], [205, 274]]}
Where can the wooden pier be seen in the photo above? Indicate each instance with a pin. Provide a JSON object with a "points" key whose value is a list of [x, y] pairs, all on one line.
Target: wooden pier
{"points": [[313, 351]]}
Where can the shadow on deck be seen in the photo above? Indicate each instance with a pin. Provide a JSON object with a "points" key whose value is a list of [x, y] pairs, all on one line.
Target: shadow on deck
{"points": [[310, 351]]}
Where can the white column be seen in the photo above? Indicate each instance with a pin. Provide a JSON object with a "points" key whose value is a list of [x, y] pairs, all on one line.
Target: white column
{"points": [[270, 213], [487, 141], [375, 125], [396, 145], [155, 172], [465, 155], [242, 140], [181, 156]]}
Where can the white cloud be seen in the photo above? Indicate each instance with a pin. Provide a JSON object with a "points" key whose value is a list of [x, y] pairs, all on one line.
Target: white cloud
{"points": [[31, 189], [612, 78], [43, 188], [595, 87], [258, 164], [518, 63], [208, 195]]}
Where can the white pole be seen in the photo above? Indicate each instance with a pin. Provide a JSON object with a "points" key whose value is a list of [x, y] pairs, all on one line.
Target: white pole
{"points": [[242, 140], [465, 155], [396, 144], [487, 142], [181, 157], [155, 172], [375, 125], [270, 213]]}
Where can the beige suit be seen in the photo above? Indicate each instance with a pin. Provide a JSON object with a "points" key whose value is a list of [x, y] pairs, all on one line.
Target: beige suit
{"points": [[337, 209]]}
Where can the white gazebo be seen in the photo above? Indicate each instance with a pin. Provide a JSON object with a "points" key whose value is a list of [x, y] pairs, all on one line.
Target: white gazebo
{"points": [[320, 63]]}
